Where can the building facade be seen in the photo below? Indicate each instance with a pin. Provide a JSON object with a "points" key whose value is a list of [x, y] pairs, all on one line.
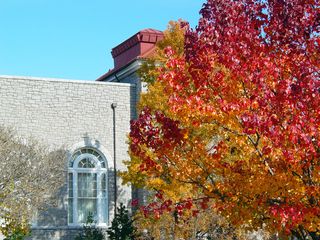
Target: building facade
{"points": [[91, 119]]}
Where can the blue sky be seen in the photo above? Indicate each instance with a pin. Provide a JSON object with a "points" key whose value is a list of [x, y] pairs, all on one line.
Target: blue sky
{"points": [[73, 38]]}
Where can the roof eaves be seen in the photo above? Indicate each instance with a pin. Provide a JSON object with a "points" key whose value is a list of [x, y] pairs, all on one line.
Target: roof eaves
{"points": [[117, 70]]}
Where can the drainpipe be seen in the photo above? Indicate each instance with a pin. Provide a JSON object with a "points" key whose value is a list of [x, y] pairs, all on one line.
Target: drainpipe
{"points": [[116, 77], [113, 106]]}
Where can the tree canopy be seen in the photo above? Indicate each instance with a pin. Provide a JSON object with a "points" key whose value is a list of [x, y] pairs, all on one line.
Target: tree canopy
{"points": [[30, 175], [233, 123]]}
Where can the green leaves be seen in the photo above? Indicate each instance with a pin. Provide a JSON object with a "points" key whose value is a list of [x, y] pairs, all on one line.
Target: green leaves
{"points": [[122, 226], [90, 231]]}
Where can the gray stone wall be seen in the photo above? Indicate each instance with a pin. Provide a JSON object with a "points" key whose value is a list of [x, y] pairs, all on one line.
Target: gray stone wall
{"points": [[64, 113]]}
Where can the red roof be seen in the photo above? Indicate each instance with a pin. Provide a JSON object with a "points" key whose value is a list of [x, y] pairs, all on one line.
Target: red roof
{"points": [[140, 45]]}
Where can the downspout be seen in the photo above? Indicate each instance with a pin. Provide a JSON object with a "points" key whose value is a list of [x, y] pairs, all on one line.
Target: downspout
{"points": [[118, 80], [113, 106]]}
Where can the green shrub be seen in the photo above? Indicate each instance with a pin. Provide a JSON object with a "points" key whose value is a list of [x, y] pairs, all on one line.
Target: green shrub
{"points": [[14, 230], [122, 226], [90, 231], [18, 234]]}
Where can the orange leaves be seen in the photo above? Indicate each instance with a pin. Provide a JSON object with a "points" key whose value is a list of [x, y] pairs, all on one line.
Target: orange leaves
{"points": [[235, 118]]}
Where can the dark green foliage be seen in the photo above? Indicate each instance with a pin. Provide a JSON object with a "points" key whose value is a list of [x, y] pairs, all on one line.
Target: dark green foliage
{"points": [[19, 234], [90, 231], [122, 226]]}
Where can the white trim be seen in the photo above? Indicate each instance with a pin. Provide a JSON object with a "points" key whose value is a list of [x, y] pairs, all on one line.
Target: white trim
{"points": [[75, 198], [133, 67], [95, 144], [98, 170], [87, 155], [65, 80], [105, 226], [99, 193]]}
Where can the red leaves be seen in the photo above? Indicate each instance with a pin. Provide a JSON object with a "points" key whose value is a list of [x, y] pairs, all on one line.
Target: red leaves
{"points": [[292, 23], [156, 208], [161, 205], [159, 195], [169, 52], [291, 216], [249, 122], [154, 130], [266, 150], [148, 164], [134, 202], [250, 74]]}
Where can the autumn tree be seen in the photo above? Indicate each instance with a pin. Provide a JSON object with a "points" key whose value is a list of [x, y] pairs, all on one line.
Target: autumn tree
{"points": [[173, 36], [232, 125], [203, 225], [30, 175], [167, 225]]}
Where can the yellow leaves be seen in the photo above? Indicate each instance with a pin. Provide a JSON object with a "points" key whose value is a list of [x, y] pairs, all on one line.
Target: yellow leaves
{"points": [[133, 175], [205, 221], [185, 135], [173, 37], [218, 156], [158, 100], [20, 227], [156, 183]]}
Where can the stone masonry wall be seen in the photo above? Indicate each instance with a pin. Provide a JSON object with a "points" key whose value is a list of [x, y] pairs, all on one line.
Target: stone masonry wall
{"points": [[63, 113]]}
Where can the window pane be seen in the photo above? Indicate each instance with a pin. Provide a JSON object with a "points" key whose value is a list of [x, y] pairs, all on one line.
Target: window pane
{"points": [[86, 207], [104, 202], [95, 153], [75, 155], [104, 209], [86, 163], [87, 196], [70, 210], [87, 185], [103, 164], [87, 151], [103, 185], [70, 200], [70, 184]]}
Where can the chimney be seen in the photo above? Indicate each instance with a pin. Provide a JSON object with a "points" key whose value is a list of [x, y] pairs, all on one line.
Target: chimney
{"points": [[139, 45]]}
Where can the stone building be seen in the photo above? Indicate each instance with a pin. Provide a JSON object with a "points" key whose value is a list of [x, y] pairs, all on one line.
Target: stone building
{"points": [[90, 119]]}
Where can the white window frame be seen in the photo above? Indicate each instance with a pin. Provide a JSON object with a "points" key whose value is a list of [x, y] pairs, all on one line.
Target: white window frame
{"points": [[99, 170]]}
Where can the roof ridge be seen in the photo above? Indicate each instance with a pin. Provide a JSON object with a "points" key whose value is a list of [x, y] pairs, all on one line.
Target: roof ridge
{"points": [[143, 35]]}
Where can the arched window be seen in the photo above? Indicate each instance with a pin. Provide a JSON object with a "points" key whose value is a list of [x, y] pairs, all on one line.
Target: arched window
{"points": [[87, 187]]}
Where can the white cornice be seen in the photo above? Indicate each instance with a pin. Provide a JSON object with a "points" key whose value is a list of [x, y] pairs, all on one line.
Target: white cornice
{"points": [[7, 77]]}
